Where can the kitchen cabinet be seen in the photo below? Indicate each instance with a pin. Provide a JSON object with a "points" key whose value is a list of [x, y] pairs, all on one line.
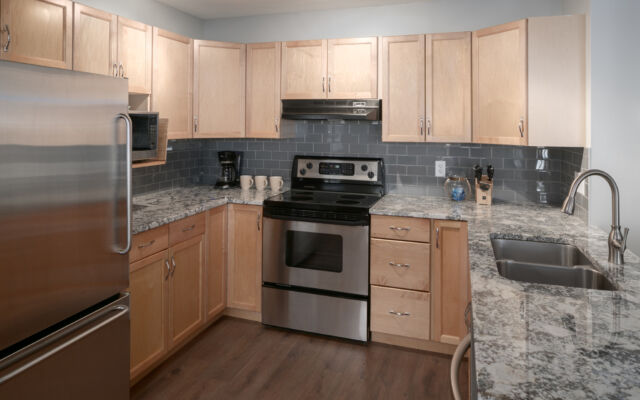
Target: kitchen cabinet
{"points": [[185, 289], [557, 81], [172, 92], [403, 88], [219, 89], [400, 264], [148, 285], [135, 54], [244, 275], [448, 87], [400, 312], [500, 84], [304, 69], [216, 266], [95, 34], [352, 68], [263, 90], [40, 31], [450, 286]]}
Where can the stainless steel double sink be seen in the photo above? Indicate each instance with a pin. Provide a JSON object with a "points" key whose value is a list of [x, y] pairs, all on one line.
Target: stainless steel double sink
{"points": [[547, 263]]}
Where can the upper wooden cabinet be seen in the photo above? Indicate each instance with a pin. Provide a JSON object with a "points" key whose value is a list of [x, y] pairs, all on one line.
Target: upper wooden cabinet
{"points": [[304, 69], [134, 54], [219, 89], [500, 84], [450, 285], [173, 81], [448, 87], [403, 88], [95, 41], [244, 275], [263, 90], [334, 69], [40, 30], [557, 81], [352, 68]]}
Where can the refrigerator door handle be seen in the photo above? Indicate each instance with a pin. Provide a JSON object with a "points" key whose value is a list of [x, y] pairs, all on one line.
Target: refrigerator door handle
{"points": [[128, 123], [120, 311]]}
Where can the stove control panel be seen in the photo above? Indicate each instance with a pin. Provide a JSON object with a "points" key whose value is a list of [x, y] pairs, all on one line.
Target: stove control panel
{"points": [[354, 170]]}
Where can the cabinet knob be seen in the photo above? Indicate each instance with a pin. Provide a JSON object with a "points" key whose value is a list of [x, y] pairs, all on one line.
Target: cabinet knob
{"points": [[5, 48], [166, 263], [521, 127], [421, 126], [173, 262]]}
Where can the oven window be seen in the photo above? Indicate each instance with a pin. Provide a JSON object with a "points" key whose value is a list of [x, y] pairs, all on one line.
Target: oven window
{"points": [[312, 250]]}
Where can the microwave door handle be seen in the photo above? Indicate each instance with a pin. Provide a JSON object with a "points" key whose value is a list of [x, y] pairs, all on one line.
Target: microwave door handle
{"points": [[129, 156]]}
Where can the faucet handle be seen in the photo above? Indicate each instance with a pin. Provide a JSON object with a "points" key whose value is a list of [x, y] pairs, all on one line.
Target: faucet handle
{"points": [[622, 245]]}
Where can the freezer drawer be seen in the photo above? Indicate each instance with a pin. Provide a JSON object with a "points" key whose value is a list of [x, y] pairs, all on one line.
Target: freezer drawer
{"points": [[317, 313], [87, 359]]}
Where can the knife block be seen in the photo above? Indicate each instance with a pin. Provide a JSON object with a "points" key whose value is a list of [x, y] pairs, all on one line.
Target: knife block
{"points": [[484, 196]]}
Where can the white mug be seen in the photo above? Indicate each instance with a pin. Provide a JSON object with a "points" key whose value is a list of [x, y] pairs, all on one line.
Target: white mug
{"points": [[246, 181], [261, 182], [276, 182]]}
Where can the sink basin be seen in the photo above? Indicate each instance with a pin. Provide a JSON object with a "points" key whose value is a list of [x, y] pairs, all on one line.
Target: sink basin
{"points": [[547, 263]]}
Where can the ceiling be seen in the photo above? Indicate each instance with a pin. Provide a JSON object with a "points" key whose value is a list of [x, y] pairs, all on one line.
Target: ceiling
{"points": [[212, 9]]}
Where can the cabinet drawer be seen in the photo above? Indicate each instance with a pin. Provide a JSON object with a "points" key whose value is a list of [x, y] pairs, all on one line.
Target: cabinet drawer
{"points": [[401, 228], [399, 264], [413, 307], [186, 228], [150, 242]]}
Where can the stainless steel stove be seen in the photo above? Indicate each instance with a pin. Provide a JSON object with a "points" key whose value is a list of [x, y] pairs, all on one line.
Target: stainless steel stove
{"points": [[316, 246]]}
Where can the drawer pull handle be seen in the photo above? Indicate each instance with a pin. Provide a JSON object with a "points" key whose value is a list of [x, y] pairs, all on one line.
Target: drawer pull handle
{"points": [[189, 228], [399, 313], [173, 263], [166, 263], [398, 264], [399, 228], [143, 245]]}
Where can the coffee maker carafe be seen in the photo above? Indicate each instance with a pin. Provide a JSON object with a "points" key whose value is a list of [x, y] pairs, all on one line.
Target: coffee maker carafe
{"points": [[229, 169]]}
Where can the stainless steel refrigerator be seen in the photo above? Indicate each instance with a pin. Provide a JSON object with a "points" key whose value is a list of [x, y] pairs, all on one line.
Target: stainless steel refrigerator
{"points": [[65, 216]]}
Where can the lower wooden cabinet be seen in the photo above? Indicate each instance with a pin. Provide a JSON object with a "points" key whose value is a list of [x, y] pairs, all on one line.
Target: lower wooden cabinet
{"points": [[185, 289], [148, 284], [400, 312], [449, 280], [244, 276], [216, 267]]}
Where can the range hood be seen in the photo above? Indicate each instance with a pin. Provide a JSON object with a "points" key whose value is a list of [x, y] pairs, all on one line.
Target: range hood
{"points": [[361, 109]]}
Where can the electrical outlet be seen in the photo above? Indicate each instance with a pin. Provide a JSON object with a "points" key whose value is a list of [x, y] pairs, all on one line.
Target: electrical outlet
{"points": [[441, 167]]}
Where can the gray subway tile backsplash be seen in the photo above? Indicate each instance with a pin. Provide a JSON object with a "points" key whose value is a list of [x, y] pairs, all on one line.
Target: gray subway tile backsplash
{"points": [[522, 173]]}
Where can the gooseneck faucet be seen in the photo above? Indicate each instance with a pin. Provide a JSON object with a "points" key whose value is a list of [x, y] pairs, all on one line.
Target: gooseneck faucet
{"points": [[617, 241]]}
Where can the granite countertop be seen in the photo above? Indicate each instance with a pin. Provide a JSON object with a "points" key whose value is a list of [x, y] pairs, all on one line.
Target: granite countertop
{"points": [[151, 210], [531, 341], [536, 341]]}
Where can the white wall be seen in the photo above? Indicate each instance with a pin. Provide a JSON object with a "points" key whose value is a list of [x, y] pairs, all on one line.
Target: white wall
{"points": [[615, 111], [153, 13], [423, 17]]}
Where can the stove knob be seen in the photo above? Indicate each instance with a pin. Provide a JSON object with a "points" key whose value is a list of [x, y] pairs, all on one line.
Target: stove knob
{"points": [[303, 171], [309, 165], [371, 174], [364, 167]]}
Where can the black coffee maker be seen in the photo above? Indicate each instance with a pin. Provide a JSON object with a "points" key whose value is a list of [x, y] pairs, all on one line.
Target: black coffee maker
{"points": [[229, 169]]}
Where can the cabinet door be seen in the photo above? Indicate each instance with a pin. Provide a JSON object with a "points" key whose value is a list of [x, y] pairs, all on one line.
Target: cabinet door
{"points": [[219, 82], [403, 89], [95, 35], [41, 32], [304, 69], [500, 84], [245, 257], [134, 54], [448, 87], [352, 68], [449, 281], [173, 82], [263, 90], [216, 295], [185, 291], [148, 283]]}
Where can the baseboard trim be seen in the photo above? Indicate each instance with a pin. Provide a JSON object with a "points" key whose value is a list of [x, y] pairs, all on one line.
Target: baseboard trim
{"points": [[419, 344], [243, 314]]}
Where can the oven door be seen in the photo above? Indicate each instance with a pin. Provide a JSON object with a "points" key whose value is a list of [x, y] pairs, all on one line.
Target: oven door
{"points": [[316, 255]]}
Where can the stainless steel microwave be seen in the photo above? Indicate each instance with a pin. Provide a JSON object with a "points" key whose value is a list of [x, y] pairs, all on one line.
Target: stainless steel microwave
{"points": [[144, 135]]}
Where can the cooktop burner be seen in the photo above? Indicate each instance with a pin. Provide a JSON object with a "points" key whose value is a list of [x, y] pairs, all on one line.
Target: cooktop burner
{"points": [[323, 199]]}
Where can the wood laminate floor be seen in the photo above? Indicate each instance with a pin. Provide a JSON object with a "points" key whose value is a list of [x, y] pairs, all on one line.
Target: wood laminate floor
{"points": [[238, 359]]}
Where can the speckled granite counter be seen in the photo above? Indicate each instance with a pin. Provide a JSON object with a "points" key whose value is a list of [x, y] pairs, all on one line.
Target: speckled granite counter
{"points": [[537, 341], [154, 209]]}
